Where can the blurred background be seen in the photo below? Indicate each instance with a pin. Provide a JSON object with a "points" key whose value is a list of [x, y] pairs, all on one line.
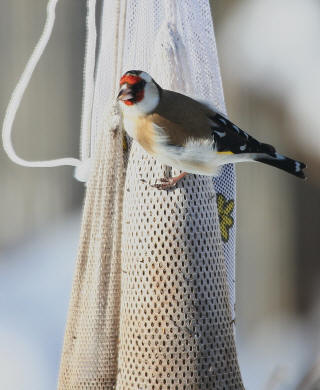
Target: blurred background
{"points": [[270, 63]]}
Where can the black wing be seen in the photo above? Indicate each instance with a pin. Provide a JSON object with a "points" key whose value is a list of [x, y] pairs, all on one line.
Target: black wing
{"points": [[230, 138]]}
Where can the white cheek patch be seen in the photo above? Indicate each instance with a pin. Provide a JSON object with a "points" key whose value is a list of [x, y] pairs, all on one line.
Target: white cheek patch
{"points": [[150, 100]]}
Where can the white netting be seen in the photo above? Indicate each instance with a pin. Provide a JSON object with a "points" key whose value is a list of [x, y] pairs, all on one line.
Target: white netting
{"points": [[150, 305]]}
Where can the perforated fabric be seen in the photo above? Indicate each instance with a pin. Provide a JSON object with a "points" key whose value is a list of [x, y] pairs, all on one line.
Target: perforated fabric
{"points": [[151, 309], [89, 359], [176, 329], [89, 356]]}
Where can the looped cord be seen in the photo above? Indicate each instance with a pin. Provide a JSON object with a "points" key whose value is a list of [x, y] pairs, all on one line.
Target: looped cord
{"points": [[88, 81], [82, 171], [17, 95]]}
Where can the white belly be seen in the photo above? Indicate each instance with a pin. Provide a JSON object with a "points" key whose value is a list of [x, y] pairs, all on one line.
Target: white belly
{"points": [[198, 156], [195, 157]]}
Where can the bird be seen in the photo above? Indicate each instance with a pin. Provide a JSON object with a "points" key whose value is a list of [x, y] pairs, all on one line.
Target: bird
{"points": [[189, 134]]}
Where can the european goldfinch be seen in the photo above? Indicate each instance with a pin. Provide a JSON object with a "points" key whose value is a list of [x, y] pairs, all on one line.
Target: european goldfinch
{"points": [[187, 134]]}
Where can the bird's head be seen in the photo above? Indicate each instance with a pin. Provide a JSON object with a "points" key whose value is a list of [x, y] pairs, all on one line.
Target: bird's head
{"points": [[139, 92]]}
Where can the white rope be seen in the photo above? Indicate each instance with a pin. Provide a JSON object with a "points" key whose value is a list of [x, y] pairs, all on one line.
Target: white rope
{"points": [[88, 78], [120, 42], [19, 92]]}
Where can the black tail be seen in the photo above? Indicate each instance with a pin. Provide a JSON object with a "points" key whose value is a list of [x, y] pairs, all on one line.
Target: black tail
{"points": [[282, 162]]}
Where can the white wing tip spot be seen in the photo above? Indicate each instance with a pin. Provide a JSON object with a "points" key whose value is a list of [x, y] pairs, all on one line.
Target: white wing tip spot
{"points": [[221, 134], [222, 120]]}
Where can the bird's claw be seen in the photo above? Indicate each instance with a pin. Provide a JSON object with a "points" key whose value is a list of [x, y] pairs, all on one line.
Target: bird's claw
{"points": [[166, 183]]}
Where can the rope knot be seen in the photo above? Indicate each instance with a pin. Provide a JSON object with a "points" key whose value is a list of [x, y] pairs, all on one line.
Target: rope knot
{"points": [[114, 119]]}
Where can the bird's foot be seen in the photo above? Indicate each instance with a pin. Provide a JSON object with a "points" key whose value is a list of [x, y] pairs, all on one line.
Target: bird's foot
{"points": [[167, 183]]}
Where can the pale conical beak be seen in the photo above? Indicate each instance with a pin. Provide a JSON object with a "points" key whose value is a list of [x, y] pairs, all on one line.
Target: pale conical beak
{"points": [[125, 93]]}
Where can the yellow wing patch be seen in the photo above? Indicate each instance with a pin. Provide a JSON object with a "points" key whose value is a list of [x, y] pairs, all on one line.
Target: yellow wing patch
{"points": [[226, 152]]}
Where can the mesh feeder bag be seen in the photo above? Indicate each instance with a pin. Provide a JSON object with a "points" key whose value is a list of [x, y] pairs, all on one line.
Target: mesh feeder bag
{"points": [[153, 294]]}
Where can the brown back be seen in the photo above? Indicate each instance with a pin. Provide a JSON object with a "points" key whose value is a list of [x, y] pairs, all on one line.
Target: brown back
{"points": [[182, 117]]}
